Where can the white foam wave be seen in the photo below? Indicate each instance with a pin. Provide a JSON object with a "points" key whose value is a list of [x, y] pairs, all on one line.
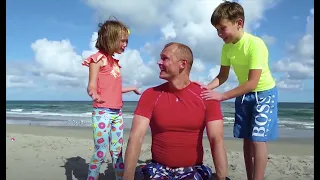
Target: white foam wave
{"points": [[16, 110], [41, 113], [128, 116]]}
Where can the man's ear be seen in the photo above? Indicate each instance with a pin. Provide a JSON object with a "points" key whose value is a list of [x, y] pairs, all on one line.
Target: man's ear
{"points": [[183, 64]]}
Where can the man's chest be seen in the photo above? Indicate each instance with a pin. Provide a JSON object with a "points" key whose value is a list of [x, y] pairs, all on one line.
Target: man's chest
{"points": [[172, 113]]}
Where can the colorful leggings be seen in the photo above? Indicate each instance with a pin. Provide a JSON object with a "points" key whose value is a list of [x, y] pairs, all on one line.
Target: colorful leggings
{"points": [[156, 171], [107, 132]]}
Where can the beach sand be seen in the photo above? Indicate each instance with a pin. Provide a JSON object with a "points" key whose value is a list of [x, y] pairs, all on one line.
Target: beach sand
{"points": [[59, 153]]}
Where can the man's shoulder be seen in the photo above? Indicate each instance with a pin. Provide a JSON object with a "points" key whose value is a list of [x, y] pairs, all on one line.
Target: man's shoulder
{"points": [[196, 88], [155, 89]]}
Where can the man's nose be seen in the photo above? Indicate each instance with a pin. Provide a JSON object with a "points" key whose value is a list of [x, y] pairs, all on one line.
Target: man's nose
{"points": [[160, 62]]}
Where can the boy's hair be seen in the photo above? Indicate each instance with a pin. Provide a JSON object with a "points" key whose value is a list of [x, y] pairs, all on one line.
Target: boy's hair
{"points": [[227, 10], [109, 35]]}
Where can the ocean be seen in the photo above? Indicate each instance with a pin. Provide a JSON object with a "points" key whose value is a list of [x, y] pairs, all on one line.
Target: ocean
{"points": [[295, 119]]}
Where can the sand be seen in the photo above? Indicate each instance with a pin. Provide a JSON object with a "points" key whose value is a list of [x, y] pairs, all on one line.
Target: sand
{"points": [[56, 153]]}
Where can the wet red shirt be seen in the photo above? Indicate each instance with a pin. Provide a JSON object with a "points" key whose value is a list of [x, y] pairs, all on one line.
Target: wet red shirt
{"points": [[177, 122]]}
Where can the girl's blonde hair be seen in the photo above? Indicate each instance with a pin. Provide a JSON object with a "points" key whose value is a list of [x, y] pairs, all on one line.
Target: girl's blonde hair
{"points": [[109, 35]]}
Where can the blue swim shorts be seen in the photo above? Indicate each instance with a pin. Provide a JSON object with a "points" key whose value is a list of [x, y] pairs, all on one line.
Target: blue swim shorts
{"points": [[156, 171], [256, 116]]}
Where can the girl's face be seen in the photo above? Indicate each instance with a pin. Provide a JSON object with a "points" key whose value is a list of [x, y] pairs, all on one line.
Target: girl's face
{"points": [[123, 42]]}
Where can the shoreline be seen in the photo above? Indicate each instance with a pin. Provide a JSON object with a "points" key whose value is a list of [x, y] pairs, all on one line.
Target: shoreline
{"points": [[297, 146]]}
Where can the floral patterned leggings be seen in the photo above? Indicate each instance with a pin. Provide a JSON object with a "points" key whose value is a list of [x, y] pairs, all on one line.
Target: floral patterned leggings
{"points": [[107, 133]]}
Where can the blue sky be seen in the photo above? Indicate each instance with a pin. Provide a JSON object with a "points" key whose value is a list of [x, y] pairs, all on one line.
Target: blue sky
{"points": [[47, 41]]}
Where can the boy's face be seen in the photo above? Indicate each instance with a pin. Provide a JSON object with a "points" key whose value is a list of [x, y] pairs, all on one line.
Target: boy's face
{"points": [[228, 31]]}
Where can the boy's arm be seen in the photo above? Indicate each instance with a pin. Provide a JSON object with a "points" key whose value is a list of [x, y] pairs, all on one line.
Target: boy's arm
{"points": [[250, 85], [223, 73], [258, 54], [220, 78]]}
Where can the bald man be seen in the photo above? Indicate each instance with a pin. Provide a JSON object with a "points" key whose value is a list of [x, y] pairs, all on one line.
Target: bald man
{"points": [[177, 117]]}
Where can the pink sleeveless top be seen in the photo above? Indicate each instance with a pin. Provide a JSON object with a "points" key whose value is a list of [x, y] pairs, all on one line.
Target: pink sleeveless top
{"points": [[109, 82]]}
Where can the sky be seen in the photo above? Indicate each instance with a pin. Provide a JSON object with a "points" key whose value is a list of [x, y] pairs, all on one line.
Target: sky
{"points": [[46, 41]]}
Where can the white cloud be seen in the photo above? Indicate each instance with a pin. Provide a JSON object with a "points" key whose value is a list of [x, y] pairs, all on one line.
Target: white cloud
{"points": [[198, 66], [18, 81], [170, 17], [183, 21], [290, 84], [57, 62], [299, 64], [57, 57], [134, 70], [168, 31], [269, 40]]}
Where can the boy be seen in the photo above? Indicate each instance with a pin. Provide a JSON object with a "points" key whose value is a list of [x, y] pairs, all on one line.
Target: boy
{"points": [[256, 101]]}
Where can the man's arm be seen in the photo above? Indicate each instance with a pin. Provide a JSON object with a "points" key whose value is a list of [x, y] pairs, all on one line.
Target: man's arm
{"points": [[215, 134], [139, 128], [220, 78], [216, 138]]}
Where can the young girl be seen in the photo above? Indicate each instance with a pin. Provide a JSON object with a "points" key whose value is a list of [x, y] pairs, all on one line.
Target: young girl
{"points": [[105, 89]]}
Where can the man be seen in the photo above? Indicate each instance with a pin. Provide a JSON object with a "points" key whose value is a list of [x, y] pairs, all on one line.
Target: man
{"points": [[177, 117]]}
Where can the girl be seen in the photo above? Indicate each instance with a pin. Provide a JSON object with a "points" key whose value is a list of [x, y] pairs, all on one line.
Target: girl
{"points": [[105, 89]]}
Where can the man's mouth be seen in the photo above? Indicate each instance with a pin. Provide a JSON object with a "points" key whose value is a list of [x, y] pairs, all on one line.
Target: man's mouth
{"points": [[162, 69]]}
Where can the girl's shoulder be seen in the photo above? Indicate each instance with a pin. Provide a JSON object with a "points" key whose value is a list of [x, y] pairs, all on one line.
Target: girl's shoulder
{"points": [[95, 58]]}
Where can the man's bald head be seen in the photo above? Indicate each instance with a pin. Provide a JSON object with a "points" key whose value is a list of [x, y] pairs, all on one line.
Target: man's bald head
{"points": [[182, 52]]}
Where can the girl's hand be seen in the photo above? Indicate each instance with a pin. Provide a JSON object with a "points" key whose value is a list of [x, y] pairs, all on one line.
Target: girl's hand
{"points": [[136, 91], [95, 97]]}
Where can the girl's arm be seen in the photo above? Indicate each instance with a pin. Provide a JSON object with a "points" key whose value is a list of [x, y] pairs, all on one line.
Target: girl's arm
{"points": [[128, 89], [93, 76]]}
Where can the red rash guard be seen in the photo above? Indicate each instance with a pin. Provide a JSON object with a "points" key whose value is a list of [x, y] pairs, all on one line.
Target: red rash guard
{"points": [[177, 122]]}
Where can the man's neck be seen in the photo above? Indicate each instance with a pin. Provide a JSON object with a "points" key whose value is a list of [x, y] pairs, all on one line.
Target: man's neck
{"points": [[179, 83]]}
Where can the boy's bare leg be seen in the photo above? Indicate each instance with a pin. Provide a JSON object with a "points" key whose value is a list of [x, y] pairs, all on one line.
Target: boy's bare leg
{"points": [[260, 159], [248, 158]]}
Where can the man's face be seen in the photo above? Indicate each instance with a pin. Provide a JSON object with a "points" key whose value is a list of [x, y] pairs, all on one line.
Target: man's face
{"points": [[169, 64], [228, 30]]}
